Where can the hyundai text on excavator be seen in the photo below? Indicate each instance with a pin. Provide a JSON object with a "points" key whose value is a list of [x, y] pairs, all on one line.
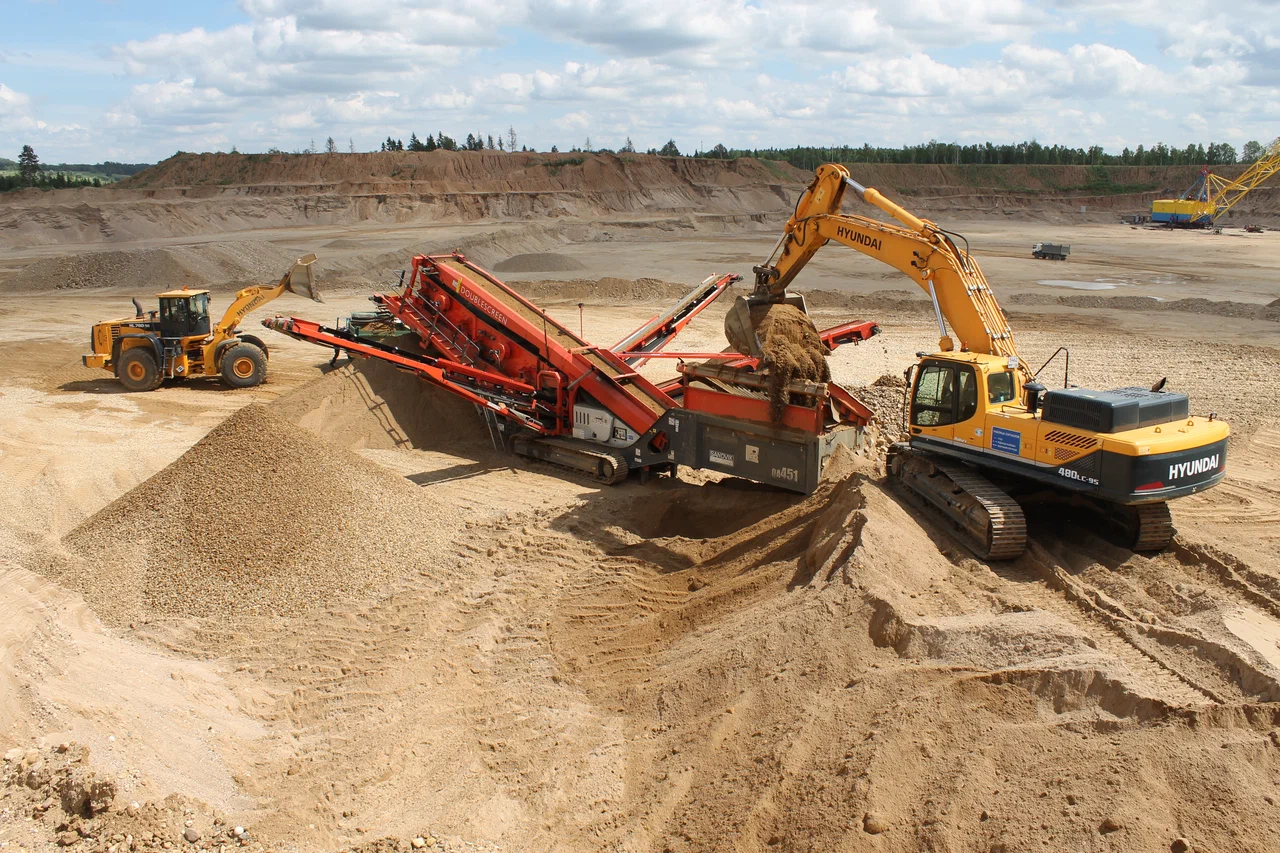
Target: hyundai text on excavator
{"points": [[982, 432], [177, 341]]}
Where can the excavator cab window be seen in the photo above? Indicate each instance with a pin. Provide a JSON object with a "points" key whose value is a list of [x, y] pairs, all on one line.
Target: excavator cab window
{"points": [[945, 394], [934, 403], [1000, 387], [967, 393]]}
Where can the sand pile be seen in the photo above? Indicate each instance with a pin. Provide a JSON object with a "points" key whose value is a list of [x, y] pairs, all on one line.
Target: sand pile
{"points": [[146, 271], [370, 404], [793, 351], [259, 517], [539, 262]]}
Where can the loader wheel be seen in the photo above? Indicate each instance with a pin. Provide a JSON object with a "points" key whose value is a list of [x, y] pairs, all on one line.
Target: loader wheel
{"points": [[137, 370], [257, 342], [244, 366]]}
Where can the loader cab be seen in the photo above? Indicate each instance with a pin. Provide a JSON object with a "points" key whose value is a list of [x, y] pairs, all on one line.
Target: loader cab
{"points": [[184, 313]]}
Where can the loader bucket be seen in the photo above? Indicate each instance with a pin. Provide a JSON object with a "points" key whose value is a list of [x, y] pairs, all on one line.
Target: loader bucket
{"points": [[302, 280]]}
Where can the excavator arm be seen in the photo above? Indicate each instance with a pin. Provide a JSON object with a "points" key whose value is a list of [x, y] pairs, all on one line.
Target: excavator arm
{"points": [[918, 248]]}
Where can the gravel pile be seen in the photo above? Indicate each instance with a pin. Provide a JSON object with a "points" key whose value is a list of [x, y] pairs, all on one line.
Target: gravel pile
{"points": [[608, 290], [64, 803], [261, 517], [884, 398], [539, 262], [1194, 305], [145, 271], [140, 269]]}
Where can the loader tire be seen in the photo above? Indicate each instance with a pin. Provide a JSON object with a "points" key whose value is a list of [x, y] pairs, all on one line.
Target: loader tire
{"points": [[137, 370], [257, 342], [244, 366]]}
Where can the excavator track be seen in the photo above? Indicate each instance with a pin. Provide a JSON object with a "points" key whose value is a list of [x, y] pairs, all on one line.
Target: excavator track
{"points": [[994, 525], [1154, 527], [602, 464]]}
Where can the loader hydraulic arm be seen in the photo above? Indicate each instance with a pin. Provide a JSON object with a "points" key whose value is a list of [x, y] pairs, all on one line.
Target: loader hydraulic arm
{"points": [[918, 248], [299, 279]]}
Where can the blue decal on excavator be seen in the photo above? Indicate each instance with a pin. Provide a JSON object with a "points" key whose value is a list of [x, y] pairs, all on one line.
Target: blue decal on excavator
{"points": [[1006, 440]]}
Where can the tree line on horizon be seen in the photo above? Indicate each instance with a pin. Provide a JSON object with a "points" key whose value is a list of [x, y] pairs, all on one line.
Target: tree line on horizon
{"points": [[932, 152], [987, 153], [27, 171]]}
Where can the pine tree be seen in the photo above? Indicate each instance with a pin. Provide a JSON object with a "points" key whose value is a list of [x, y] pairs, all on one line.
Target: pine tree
{"points": [[491, 146], [351, 145], [28, 164], [415, 144], [430, 143], [670, 149], [330, 147], [511, 139], [629, 148]]}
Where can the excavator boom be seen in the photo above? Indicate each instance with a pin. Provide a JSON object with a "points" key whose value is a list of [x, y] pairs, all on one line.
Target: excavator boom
{"points": [[918, 248]]}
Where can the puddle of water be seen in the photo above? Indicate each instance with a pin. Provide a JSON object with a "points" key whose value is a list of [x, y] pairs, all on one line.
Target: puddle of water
{"points": [[1082, 285]]}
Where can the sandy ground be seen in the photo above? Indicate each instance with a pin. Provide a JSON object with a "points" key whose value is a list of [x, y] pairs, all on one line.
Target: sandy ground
{"points": [[685, 665]]}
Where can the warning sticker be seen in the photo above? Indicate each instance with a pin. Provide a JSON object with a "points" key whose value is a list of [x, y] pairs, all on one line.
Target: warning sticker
{"points": [[1006, 440]]}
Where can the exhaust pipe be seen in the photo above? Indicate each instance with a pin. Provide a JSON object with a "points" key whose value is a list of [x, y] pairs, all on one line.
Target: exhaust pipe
{"points": [[137, 306], [1034, 390]]}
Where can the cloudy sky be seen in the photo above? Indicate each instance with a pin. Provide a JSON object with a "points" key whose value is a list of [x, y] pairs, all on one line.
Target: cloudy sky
{"points": [[137, 80]]}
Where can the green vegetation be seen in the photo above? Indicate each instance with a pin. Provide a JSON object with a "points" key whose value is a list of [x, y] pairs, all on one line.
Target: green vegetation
{"points": [[986, 153], [28, 171]]}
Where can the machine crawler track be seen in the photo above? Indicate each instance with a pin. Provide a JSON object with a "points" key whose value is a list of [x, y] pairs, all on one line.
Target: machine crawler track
{"points": [[994, 525], [1151, 526], [600, 463]]}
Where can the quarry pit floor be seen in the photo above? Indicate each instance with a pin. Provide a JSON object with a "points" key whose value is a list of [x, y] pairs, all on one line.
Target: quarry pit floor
{"points": [[486, 653]]}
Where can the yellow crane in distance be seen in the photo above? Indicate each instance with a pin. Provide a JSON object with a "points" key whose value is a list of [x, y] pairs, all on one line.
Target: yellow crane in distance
{"points": [[1212, 195]]}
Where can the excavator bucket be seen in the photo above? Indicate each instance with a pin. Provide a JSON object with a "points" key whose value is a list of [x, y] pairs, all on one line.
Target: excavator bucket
{"points": [[302, 280], [741, 331]]}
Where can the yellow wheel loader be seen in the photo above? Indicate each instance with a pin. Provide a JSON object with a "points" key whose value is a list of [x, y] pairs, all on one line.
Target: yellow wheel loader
{"points": [[177, 340]]}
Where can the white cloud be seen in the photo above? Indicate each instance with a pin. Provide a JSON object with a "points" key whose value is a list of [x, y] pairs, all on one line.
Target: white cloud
{"points": [[13, 104], [735, 71]]}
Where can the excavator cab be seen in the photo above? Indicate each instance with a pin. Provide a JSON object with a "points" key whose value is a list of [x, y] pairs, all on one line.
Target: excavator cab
{"points": [[184, 313]]}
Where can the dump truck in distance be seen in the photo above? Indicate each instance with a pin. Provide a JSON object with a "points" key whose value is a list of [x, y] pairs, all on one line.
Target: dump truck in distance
{"points": [[1051, 251]]}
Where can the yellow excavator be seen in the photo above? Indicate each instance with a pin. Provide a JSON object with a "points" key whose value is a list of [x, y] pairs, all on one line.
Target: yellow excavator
{"points": [[177, 341], [982, 433]]}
